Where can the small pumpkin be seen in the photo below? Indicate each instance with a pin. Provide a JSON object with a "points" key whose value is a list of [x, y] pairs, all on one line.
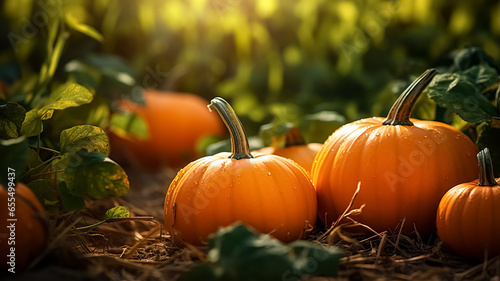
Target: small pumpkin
{"points": [[404, 166], [176, 122], [270, 193], [30, 227], [468, 215], [295, 148]]}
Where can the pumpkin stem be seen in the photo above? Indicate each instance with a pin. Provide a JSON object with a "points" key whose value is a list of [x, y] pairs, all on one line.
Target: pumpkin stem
{"points": [[486, 176], [401, 110], [293, 137], [239, 143]]}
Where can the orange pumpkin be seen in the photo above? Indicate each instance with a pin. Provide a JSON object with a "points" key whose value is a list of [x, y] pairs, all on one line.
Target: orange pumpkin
{"points": [[176, 122], [30, 227], [468, 214], [404, 166], [268, 192], [295, 149]]}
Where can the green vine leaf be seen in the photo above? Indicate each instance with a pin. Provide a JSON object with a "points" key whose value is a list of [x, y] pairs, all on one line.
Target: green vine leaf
{"points": [[32, 124], [93, 174], [237, 252], [72, 95], [128, 122], [83, 28], [65, 96], [11, 120], [118, 212], [461, 92], [88, 137]]}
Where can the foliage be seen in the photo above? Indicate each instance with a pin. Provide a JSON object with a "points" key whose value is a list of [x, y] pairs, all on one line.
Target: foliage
{"points": [[469, 91], [239, 253], [62, 165]]}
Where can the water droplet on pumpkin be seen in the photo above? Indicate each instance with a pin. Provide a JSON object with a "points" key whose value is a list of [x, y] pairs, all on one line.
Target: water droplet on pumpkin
{"points": [[195, 183], [281, 191], [388, 134], [457, 136], [294, 187], [227, 196], [189, 199], [425, 137], [202, 182], [377, 134], [269, 173]]}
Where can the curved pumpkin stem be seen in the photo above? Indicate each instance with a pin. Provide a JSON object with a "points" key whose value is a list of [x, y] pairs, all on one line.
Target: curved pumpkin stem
{"points": [[486, 176], [239, 143], [401, 110], [293, 137]]}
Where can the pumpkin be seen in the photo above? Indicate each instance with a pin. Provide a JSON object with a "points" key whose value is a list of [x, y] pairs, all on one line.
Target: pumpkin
{"points": [[270, 193], [468, 215], [30, 227], [176, 122], [404, 165], [295, 148]]}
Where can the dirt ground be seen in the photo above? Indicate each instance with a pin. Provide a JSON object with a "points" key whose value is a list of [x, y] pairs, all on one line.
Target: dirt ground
{"points": [[140, 249]]}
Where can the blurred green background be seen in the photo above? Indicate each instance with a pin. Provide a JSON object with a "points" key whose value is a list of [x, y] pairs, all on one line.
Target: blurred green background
{"points": [[299, 61]]}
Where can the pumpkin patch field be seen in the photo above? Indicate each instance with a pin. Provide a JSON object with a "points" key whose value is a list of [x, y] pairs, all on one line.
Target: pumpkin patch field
{"points": [[223, 140]]}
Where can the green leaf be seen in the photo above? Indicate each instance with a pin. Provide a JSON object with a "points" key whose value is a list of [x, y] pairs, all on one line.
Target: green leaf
{"points": [[83, 28], [11, 120], [459, 93], [424, 109], [70, 201], [14, 153], [276, 130], [46, 194], [117, 213], [239, 253], [468, 57], [489, 137], [87, 137], [92, 174], [32, 124], [483, 76], [114, 68], [67, 96], [318, 126], [129, 123]]}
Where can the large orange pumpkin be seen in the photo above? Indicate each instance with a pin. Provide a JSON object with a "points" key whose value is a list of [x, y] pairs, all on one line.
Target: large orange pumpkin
{"points": [[176, 122], [296, 149], [268, 192], [30, 234], [469, 213], [404, 166]]}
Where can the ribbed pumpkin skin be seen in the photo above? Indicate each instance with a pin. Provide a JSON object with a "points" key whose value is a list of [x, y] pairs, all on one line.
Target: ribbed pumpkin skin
{"points": [[302, 154], [270, 193], [404, 171], [31, 231], [468, 220]]}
